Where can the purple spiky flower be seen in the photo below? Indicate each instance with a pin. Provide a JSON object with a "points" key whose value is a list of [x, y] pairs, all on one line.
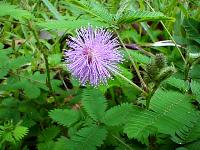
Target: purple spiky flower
{"points": [[93, 55]]}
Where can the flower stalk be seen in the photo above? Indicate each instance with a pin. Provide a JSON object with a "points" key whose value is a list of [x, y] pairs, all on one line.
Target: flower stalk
{"points": [[134, 64], [45, 55], [130, 82]]}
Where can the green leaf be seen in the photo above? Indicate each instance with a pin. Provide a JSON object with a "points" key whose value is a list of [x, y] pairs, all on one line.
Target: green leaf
{"points": [[46, 146], [19, 132], [131, 35], [65, 25], [94, 103], [52, 9], [118, 81], [178, 83], [11, 10], [195, 87], [18, 62], [3, 72], [141, 16], [192, 28], [64, 143], [31, 84], [29, 122], [194, 72], [1, 45], [140, 126], [10, 102], [188, 134], [7, 113], [48, 134], [54, 59], [39, 79], [56, 85], [89, 138], [138, 57], [169, 112], [8, 137], [175, 106], [94, 8], [193, 145], [4, 57], [118, 115], [4, 69], [64, 117], [31, 90], [125, 72], [130, 92]]}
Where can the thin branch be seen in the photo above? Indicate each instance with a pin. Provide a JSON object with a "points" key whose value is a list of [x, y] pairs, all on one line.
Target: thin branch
{"points": [[12, 21], [136, 47], [168, 33], [132, 61], [61, 78], [48, 79], [129, 81]]}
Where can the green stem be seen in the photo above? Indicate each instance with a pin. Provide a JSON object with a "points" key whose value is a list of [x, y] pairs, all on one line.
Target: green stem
{"points": [[132, 61], [129, 81], [122, 142], [112, 93], [173, 41], [168, 33], [148, 98], [48, 79], [187, 70], [12, 21]]}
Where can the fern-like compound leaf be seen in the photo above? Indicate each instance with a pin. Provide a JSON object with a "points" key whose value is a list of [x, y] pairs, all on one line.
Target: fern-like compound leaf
{"points": [[94, 8], [11, 10], [64, 144], [187, 133], [94, 103], [195, 87], [89, 138], [170, 111], [47, 145], [118, 115], [19, 132], [140, 16], [64, 25], [178, 83], [48, 134], [64, 117]]}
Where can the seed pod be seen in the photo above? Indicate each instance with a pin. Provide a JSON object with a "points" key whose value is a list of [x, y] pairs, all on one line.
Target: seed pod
{"points": [[165, 73], [160, 61], [146, 78], [152, 70]]}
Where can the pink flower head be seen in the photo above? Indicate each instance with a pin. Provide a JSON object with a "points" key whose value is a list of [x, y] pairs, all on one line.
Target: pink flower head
{"points": [[93, 55]]}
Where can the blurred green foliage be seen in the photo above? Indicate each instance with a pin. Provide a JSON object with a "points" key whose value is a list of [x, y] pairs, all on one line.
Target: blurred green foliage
{"points": [[42, 107]]}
